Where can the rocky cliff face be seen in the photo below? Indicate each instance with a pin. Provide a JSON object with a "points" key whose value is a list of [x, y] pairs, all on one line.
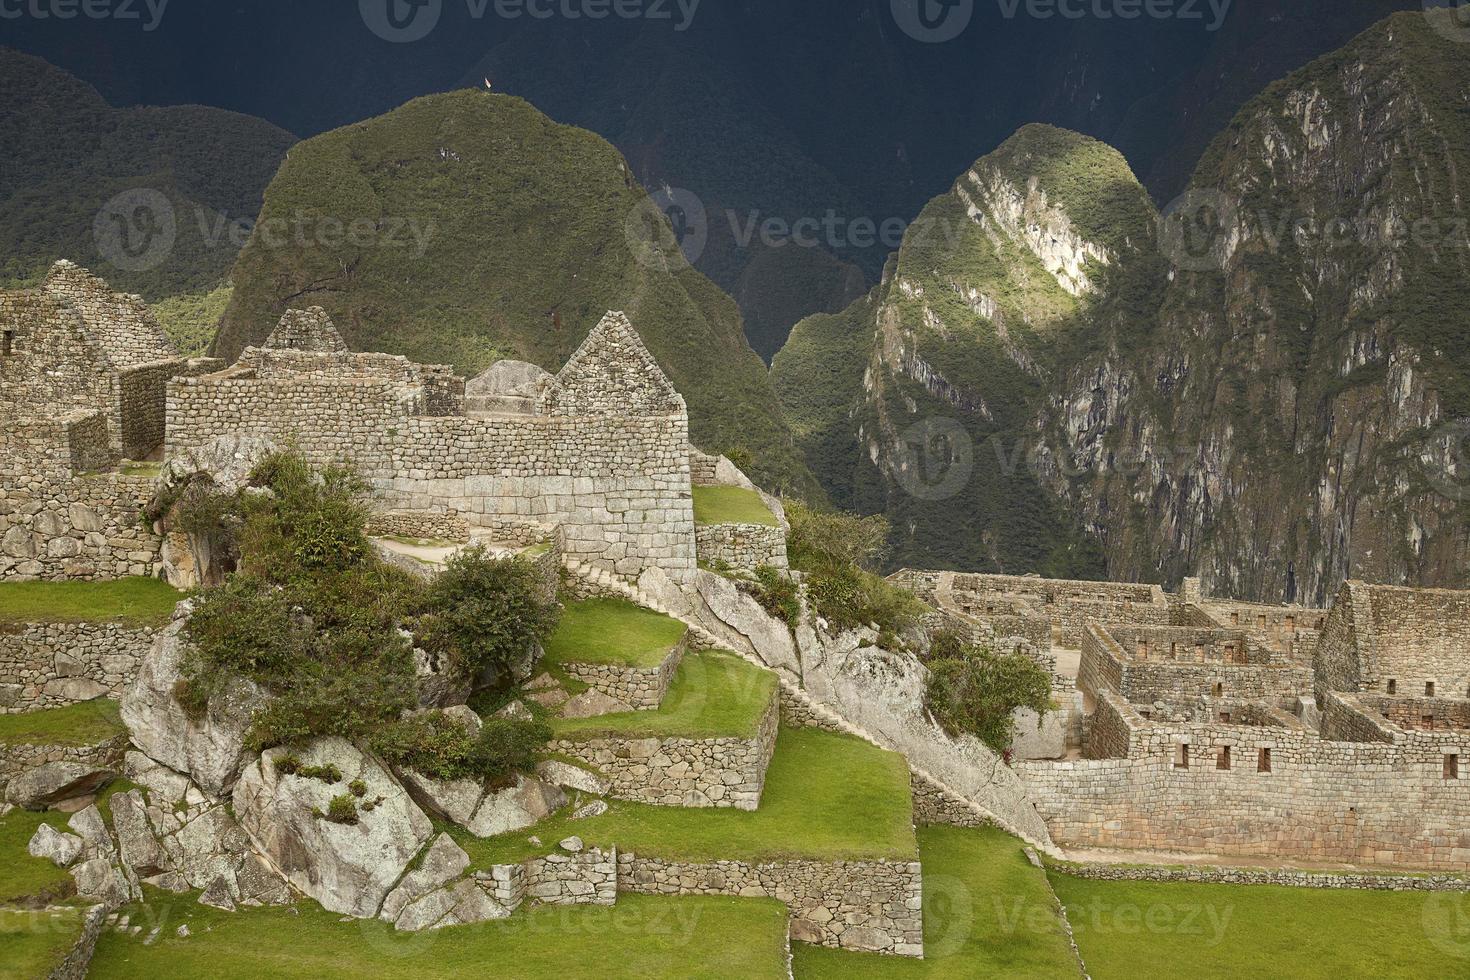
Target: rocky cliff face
{"points": [[1295, 416], [1264, 385]]}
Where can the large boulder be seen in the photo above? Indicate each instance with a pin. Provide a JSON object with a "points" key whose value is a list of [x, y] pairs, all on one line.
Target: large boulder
{"points": [[443, 862], [211, 749], [731, 611], [484, 812], [56, 782], [56, 847], [347, 867]]}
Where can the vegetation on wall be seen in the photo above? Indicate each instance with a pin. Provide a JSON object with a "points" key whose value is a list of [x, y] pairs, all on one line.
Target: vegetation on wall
{"points": [[328, 630], [976, 691]]}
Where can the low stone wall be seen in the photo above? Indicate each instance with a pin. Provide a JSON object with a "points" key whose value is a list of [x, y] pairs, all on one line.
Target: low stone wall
{"points": [[641, 688], [48, 665], [588, 877], [1267, 876], [17, 759], [79, 957], [688, 772], [744, 547], [935, 806], [872, 906], [419, 525], [85, 528]]}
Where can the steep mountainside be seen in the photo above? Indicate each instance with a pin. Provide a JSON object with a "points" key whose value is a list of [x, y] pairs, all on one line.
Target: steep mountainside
{"points": [[68, 154], [1268, 386], [938, 374], [1298, 415], [485, 230]]}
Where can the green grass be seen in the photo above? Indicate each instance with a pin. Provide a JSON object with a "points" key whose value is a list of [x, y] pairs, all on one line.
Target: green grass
{"points": [[36, 941], [22, 876], [731, 505], [129, 601], [827, 797], [641, 936], [987, 913], [613, 631], [84, 723], [1182, 929], [712, 695], [134, 469]]}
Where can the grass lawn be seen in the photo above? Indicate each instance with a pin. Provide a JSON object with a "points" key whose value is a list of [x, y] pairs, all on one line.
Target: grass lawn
{"points": [[987, 913], [711, 695], [1182, 929], [22, 876], [640, 936], [731, 505], [85, 723], [613, 631], [35, 942], [130, 601], [827, 797]]}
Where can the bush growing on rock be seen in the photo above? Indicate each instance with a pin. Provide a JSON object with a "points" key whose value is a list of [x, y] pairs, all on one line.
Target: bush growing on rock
{"points": [[974, 690], [328, 630], [486, 613], [443, 748], [838, 552]]}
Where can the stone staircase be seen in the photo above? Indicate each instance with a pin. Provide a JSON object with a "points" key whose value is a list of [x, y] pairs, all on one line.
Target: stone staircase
{"points": [[796, 703]]}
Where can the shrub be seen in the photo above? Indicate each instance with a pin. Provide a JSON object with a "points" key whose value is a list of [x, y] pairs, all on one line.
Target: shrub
{"points": [[827, 539], [777, 594], [357, 788], [848, 597], [486, 613], [342, 809], [976, 694], [438, 746]]}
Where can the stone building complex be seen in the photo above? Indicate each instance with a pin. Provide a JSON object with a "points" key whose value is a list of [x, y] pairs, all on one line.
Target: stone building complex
{"points": [[1188, 723]]}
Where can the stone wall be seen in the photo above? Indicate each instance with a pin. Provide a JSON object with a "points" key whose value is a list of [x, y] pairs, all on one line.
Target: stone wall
{"points": [[587, 877], [75, 527], [1384, 800], [936, 806], [1148, 664], [703, 468], [17, 759], [687, 772], [871, 906], [641, 688], [141, 406], [419, 525], [48, 665], [79, 957], [1268, 876], [744, 547], [627, 508]]}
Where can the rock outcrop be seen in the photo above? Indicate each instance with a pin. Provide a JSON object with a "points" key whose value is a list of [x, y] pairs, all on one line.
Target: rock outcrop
{"points": [[349, 867]]}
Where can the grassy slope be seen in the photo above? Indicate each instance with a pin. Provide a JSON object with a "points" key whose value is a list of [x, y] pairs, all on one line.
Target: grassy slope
{"points": [[1201, 931], [613, 631], [86, 723], [827, 797], [987, 913], [731, 505], [523, 245], [190, 319], [712, 695], [642, 936], [131, 601], [68, 152], [35, 941], [22, 876]]}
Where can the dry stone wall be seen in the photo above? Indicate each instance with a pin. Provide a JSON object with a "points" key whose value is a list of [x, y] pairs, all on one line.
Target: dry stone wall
{"points": [[58, 527], [18, 759], [49, 665], [640, 688], [687, 772], [871, 906], [744, 547]]}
